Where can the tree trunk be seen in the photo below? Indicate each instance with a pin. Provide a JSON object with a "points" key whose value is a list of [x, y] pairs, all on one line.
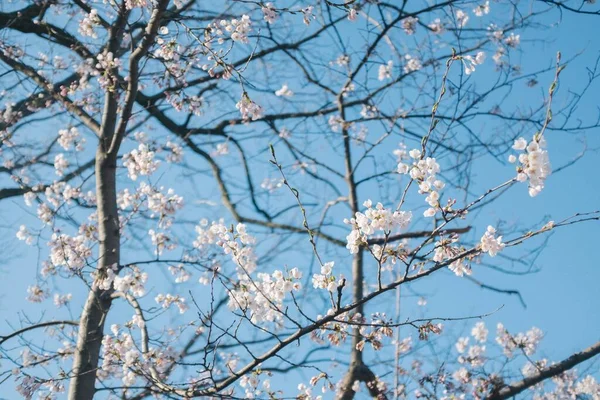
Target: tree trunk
{"points": [[93, 316]]}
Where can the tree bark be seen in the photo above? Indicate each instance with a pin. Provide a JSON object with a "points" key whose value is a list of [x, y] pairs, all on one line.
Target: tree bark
{"points": [[93, 316]]}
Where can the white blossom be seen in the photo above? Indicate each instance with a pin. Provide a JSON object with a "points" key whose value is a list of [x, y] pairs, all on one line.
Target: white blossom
{"points": [[87, 26], [409, 24], [60, 164], [534, 164], [269, 11], [140, 161], [25, 235], [284, 91], [490, 243], [248, 108], [385, 71], [482, 9], [378, 219], [412, 64], [461, 18]]}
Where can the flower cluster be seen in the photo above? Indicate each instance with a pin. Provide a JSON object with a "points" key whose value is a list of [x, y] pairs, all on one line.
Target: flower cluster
{"points": [[263, 298], [166, 300], [36, 294], [385, 71], [326, 280], [436, 26], [253, 388], [140, 161], [482, 9], [222, 149], [235, 243], [285, 91], [307, 14], [412, 64], [271, 184], [335, 332], [534, 163], [513, 40], [378, 219], [336, 123], [490, 243], [527, 342], [168, 50], [424, 171], [69, 252], [180, 273], [352, 14], [461, 18], [444, 250], [131, 4], [237, 28], [60, 164], [248, 108], [121, 357], [175, 152], [107, 62], [374, 332], [270, 13], [409, 25], [68, 138], [132, 282], [24, 234], [161, 241], [160, 204], [472, 355], [87, 26], [61, 300], [471, 62]]}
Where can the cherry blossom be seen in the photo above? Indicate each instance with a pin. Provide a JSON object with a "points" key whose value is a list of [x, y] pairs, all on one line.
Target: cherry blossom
{"points": [[25, 235], [36, 294], [409, 25], [248, 108], [308, 14], [436, 26], [470, 62], [130, 4], [373, 220], [482, 9], [166, 300], [325, 280], [352, 14], [140, 162], [68, 138], [513, 40], [385, 71], [284, 91], [534, 163], [461, 18], [269, 11], [60, 164], [412, 64], [87, 26], [490, 243]]}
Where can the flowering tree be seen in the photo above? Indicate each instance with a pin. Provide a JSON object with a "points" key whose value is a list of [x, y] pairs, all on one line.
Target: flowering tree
{"points": [[327, 154]]}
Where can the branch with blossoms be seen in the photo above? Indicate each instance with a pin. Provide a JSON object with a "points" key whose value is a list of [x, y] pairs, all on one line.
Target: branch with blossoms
{"points": [[339, 316]]}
